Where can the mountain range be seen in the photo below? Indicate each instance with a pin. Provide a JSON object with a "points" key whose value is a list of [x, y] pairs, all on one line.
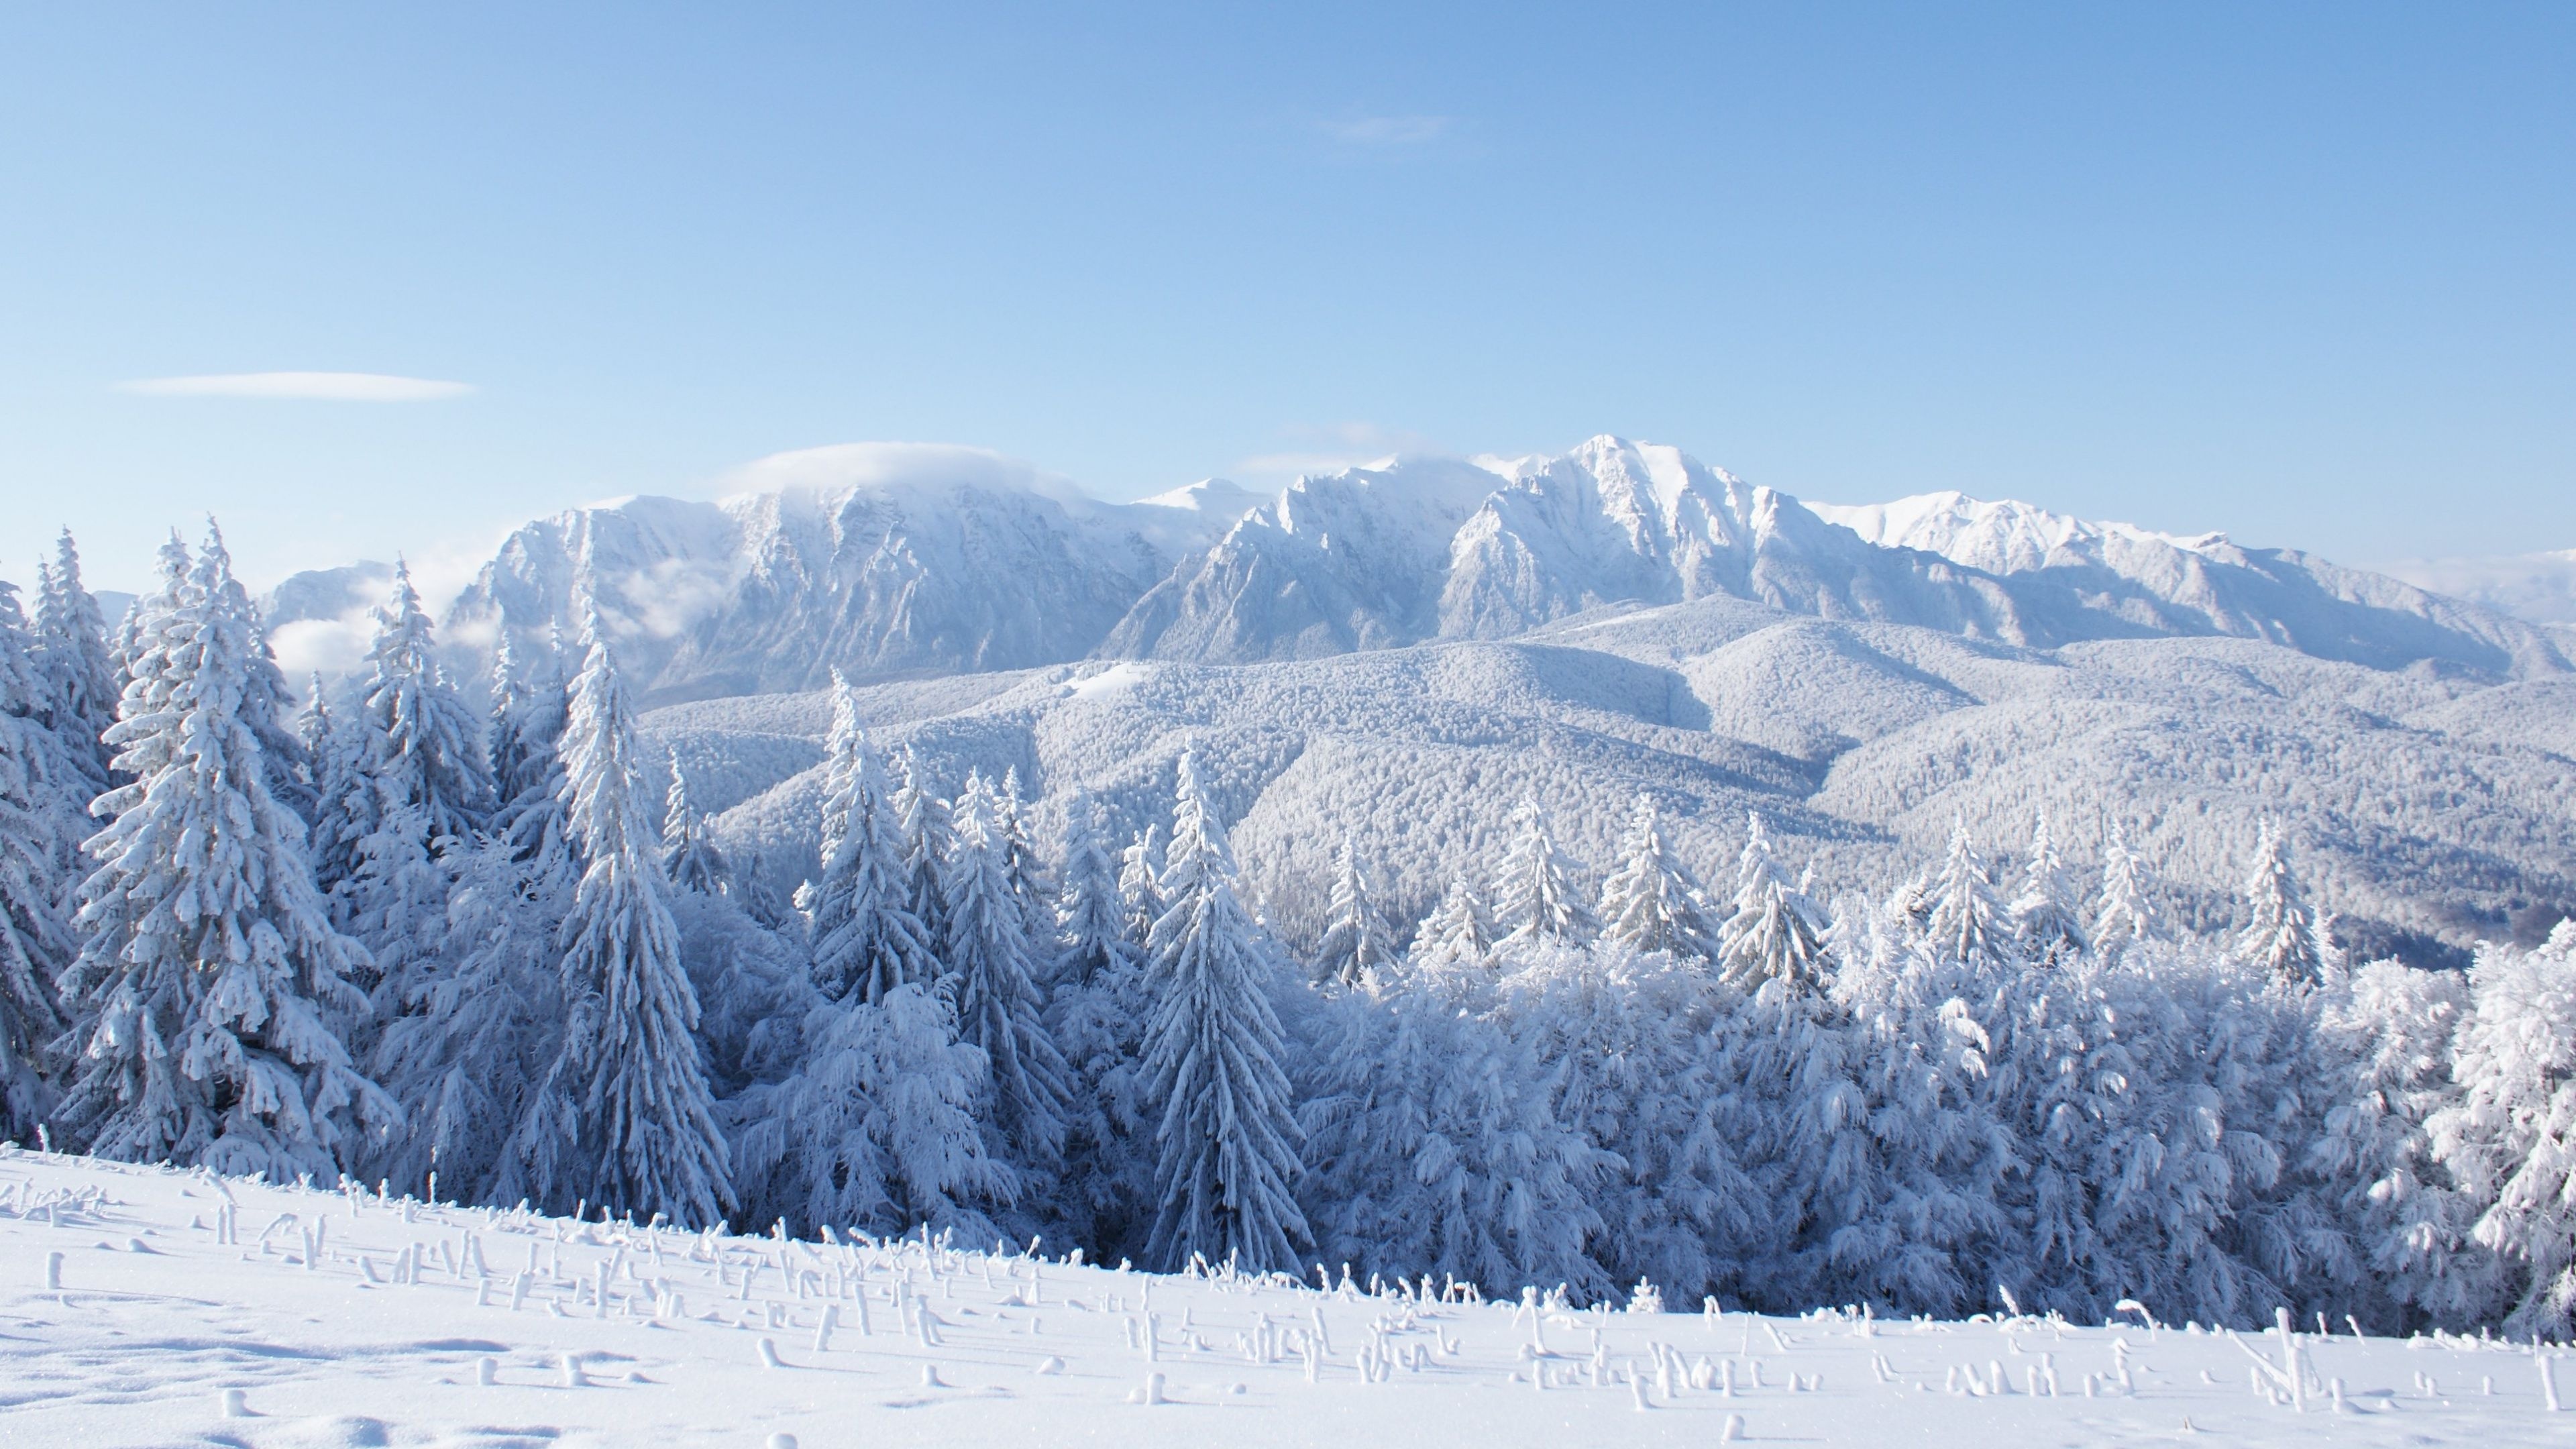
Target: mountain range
{"points": [[940, 570]]}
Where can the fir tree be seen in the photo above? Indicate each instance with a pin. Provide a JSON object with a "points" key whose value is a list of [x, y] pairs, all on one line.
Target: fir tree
{"points": [[2281, 934], [1140, 868], [426, 748], [1030, 883], [1967, 925], [1774, 933], [1355, 945], [211, 990], [866, 938], [1095, 1016], [624, 1118], [689, 853], [922, 827], [2123, 916], [1227, 1168], [992, 980], [1651, 903], [1534, 895], [875, 1132], [2043, 915], [35, 939], [1091, 926], [77, 668], [2509, 1141], [1457, 932]]}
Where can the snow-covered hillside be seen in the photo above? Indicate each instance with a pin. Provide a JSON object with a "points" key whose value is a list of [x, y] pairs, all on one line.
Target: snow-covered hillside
{"points": [[148, 1306], [954, 561], [1859, 742]]}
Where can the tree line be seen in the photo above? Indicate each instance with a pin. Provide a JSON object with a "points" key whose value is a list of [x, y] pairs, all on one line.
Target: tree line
{"points": [[379, 933]]}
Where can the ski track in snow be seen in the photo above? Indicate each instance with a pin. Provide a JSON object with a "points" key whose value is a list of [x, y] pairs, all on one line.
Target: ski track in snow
{"points": [[156, 1319]]}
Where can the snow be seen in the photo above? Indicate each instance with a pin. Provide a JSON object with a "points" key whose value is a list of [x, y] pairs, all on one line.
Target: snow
{"points": [[181, 1294]]}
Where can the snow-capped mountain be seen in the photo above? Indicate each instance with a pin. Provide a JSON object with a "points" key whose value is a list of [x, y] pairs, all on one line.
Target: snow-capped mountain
{"points": [[887, 571]]}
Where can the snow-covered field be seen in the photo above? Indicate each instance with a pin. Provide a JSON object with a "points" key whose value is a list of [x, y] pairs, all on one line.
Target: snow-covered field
{"points": [[146, 1306]]}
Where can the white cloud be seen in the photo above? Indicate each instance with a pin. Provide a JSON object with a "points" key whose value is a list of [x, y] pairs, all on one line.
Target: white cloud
{"points": [[893, 465], [1331, 448], [1388, 130], [301, 386]]}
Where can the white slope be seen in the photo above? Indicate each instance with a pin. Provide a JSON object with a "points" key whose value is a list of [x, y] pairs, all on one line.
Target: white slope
{"points": [[145, 1306]]}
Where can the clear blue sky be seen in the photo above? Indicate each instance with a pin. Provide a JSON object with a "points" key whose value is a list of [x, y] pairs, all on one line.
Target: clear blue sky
{"points": [[2307, 274]]}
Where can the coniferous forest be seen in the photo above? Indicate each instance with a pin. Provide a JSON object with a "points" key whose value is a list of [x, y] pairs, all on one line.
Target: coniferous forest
{"points": [[372, 931]]}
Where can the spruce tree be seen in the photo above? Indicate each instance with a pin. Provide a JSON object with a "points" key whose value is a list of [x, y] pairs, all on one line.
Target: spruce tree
{"points": [[211, 992], [1091, 926], [426, 748], [1534, 896], [1354, 947], [35, 939], [1140, 894], [922, 828], [2281, 933], [1227, 1167], [1096, 1016], [1651, 903], [2123, 915], [77, 668], [866, 939], [1031, 885], [992, 979], [1458, 932], [623, 1118], [1968, 924], [1774, 933], [2043, 914], [689, 852]]}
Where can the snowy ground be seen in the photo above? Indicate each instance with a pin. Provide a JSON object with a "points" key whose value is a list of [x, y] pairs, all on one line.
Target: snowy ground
{"points": [[195, 1311]]}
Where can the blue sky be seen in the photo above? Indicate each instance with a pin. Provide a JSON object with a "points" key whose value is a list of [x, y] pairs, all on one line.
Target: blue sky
{"points": [[2307, 274]]}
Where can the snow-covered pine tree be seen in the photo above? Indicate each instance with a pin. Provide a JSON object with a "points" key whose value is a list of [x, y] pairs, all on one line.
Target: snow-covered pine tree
{"points": [[1651, 902], [866, 938], [1354, 945], [35, 940], [2509, 1141], [922, 827], [1774, 933], [77, 667], [1227, 1169], [2124, 914], [1096, 1016], [1031, 884], [211, 992], [347, 805], [529, 723], [875, 1132], [689, 851], [427, 747], [623, 1118], [1534, 895], [2281, 933], [2381, 1060], [1091, 925], [991, 980], [2043, 914], [1140, 868], [1968, 924], [1457, 932], [269, 706], [1437, 1146]]}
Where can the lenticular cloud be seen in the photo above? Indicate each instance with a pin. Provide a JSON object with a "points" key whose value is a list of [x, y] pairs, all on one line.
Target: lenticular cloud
{"points": [[302, 386]]}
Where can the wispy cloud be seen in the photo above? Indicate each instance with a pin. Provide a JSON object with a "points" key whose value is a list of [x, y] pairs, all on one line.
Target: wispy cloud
{"points": [[301, 386], [1330, 448], [1388, 131]]}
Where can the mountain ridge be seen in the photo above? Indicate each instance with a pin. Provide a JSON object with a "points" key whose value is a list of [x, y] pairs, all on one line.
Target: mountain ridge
{"points": [[889, 573]]}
